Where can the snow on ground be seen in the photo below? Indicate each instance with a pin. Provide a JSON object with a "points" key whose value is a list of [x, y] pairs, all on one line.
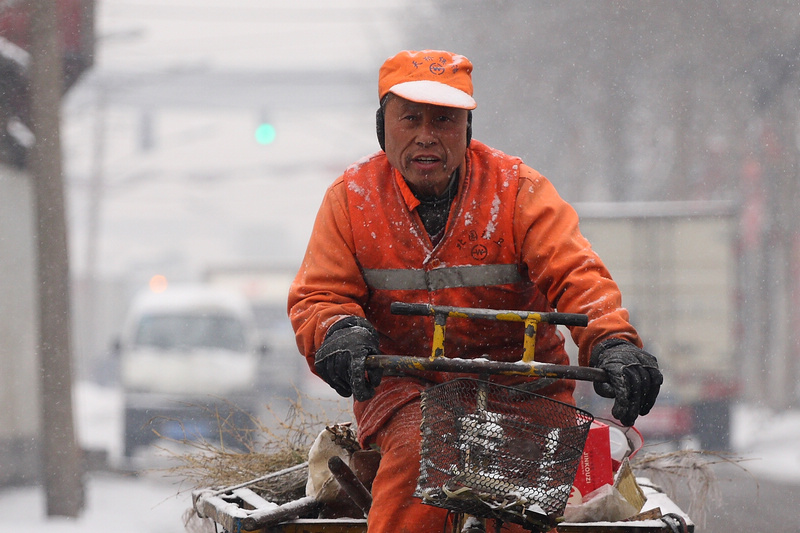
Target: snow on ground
{"points": [[123, 504], [153, 503], [770, 440]]}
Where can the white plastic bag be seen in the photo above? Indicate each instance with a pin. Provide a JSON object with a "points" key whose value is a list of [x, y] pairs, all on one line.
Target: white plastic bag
{"points": [[321, 484]]}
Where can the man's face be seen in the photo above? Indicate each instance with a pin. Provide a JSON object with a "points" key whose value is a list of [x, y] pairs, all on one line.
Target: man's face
{"points": [[425, 142]]}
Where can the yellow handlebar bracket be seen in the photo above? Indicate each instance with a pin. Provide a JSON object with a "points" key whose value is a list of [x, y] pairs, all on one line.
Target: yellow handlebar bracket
{"points": [[529, 344], [439, 326], [531, 320]]}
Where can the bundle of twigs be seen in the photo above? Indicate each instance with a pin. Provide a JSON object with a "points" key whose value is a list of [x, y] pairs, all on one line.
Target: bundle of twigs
{"points": [[243, 454], [689, 472]]}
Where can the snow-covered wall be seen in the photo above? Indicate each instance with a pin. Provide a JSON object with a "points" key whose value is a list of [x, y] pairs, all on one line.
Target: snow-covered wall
{"points": [[19, 384]]}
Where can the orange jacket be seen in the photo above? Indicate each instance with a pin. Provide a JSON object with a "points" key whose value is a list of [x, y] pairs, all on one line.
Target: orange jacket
{"points": [[511, 243]]}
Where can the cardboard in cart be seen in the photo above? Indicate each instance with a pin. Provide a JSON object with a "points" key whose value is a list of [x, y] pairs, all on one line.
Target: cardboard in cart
{"points": [[628, 487]]}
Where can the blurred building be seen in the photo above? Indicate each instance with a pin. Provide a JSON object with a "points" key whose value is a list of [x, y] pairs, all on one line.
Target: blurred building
{"points": [[19, 383]]}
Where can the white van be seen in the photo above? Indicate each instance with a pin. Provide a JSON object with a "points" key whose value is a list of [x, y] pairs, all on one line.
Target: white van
{"points": [[188, 357]]}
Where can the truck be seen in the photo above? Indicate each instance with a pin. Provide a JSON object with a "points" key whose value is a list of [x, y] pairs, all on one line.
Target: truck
{"points": [[266, 287], [677, 267], [189, 356]]}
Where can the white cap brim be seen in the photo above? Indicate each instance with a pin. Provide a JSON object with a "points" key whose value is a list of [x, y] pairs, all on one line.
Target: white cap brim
{"points": [[433, 92]]}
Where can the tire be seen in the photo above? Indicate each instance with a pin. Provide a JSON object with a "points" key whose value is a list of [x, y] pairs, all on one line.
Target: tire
{"points": [[137, 430]]}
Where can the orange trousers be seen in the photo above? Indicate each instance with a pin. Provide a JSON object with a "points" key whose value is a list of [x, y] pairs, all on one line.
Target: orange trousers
{"points": [[394, 508]]}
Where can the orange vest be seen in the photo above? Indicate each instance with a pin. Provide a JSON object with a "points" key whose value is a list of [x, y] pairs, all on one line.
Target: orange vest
{"points": [[476, 264]]}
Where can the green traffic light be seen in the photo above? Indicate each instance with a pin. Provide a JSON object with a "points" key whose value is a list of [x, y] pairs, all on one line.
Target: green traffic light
{"points": [[265, 134]]}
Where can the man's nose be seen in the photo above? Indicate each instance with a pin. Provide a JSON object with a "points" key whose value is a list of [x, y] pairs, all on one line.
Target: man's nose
{"points": [[426, 135]]}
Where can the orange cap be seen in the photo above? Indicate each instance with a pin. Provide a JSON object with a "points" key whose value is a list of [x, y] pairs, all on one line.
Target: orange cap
{"points": [[429, 77]]}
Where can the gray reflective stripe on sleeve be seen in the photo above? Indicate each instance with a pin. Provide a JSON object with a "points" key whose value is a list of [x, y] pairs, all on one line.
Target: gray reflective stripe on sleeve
{"points": [[401, 279]]}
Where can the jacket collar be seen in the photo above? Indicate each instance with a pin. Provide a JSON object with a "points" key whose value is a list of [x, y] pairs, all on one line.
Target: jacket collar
{"points": [[412, 202]]}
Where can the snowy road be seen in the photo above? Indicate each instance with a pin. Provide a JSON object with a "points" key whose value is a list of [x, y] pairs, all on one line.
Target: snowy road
{"points": [[751, 503], [115, 502], [762, 493], [150, 504]]}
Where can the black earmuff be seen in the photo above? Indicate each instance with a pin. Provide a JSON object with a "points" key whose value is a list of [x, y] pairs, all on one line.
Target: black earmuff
{"points": [[469, 127], [380, 128]]}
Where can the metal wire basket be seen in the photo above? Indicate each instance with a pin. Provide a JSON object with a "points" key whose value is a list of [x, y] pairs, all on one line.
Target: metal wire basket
{"points": [[498, 452]]}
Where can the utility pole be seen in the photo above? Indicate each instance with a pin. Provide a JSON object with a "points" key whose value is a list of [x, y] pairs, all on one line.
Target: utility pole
{"points": [[61, 462]]}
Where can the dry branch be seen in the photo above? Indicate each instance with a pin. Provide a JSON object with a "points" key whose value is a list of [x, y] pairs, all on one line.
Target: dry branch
{"points": [[244, 454], [691, 469]]}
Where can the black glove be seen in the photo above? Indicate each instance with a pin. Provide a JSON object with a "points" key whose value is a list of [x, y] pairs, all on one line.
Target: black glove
{"points": [[633, 378], [341, 359]]}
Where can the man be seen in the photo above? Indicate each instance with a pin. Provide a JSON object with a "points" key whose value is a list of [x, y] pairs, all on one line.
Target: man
{"points": [[438, 218]]}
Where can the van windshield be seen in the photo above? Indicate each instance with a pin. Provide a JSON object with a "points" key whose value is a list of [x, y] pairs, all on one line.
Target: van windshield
{"points": [[191, 331]]}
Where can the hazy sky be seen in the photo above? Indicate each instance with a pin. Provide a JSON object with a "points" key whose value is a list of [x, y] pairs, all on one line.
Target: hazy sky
{"points": [[164, 124]]}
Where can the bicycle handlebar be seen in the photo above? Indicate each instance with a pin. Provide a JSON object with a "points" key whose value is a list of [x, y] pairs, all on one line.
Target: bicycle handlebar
{"points": [[403, 364], [399, 365]]}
